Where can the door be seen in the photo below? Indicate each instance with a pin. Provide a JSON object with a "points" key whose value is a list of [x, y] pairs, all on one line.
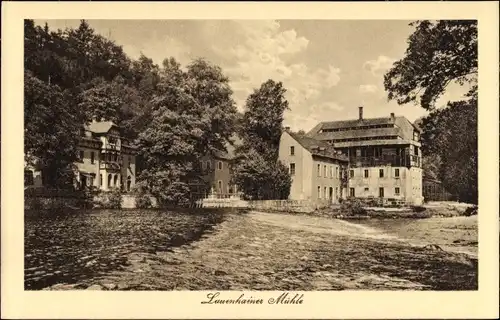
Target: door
{"points": [[83, 181], [381, 192]]}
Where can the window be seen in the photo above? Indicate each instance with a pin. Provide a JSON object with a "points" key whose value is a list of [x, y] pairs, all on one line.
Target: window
{"points": [[352, 193], [100, 180], [381, 173], [109, 180], [319, 192], [92, 156], [219, 165], [82, 154], [396, 173], [331, 171], [324, 171], [292, 150], [366, 173], [325, 195], [220, 186], [366, 189], [292, 168], [337, 172], [396, 191], [208, 165], [351, 173], [381, 192], [319, 170]]}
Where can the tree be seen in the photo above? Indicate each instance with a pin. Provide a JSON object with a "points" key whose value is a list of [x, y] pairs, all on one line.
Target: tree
{"points": [[210, 88], [438, 54], [189, 111], [262, 122], [451, 140], [258, 172], [261, 179], [101, 101], [51, 130]]}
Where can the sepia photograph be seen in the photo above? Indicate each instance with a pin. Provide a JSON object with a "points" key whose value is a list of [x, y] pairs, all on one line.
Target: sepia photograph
{"points": [[250, 160], [250, 155]]}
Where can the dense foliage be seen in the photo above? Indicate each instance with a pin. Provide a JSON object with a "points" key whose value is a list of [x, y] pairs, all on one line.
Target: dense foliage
{"points": [[193, 114], [440, 53], [258, 172], [76, 75]]}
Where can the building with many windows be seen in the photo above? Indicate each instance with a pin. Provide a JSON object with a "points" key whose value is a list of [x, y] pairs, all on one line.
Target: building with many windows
{"points": [[384, 156], [317, 169], [105, 160]]}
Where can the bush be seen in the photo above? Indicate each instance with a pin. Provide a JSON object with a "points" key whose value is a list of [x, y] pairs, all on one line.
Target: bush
{"points": [[143, 201], [470, 211], [115, 199], [353, 207], [418, 209]]}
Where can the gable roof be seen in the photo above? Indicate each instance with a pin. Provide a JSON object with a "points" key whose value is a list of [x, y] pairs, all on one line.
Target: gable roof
{"points": [[100, 126], [313, 146]]}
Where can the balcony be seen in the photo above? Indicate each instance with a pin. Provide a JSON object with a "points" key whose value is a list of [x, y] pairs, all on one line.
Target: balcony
{"points": [[375, 161], [114, 165]]}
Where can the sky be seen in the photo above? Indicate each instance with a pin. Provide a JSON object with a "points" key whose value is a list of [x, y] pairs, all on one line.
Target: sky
{"points": [[328, 67]]}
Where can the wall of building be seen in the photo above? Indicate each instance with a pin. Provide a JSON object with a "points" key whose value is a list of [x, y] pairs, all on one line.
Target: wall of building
{"points": [[414, 188], [85, 164], [300, 189], [128, 169], [326, 180], [408, 182], [214, 174]]}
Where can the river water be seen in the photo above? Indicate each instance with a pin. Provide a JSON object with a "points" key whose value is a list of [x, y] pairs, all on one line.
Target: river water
{"points": [[457, 234], [67, 247]]}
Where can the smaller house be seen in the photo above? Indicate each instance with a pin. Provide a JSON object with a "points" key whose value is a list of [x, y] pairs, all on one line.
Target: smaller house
{"points": [[106, 160], [217, 169], [318, 170]]}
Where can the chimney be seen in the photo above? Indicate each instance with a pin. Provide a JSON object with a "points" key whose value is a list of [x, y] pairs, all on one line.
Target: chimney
{"points": [[392, 116], [360, 113]]}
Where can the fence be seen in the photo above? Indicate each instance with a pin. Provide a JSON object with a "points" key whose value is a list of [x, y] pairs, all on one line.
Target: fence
{"points": [[434, 191], [266, 205]]}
